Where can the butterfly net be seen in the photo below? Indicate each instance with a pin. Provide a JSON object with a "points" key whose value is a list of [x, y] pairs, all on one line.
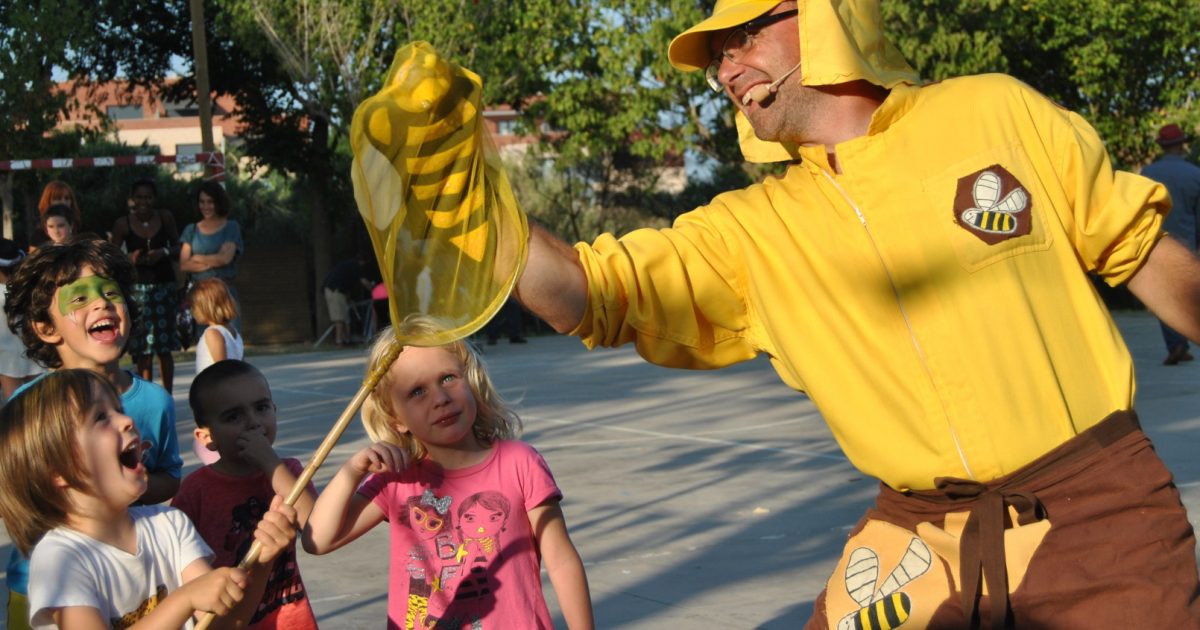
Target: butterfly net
{"points": [[449, 236]]}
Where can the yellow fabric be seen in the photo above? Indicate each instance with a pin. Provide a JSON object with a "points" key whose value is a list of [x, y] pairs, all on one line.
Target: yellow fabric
{"points": [[759, 152], [18, 611], [840, 41], [929, 352], [690, 49], [447, 232]]}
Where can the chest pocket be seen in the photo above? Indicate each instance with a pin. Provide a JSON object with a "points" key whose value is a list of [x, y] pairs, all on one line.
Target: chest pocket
{"points": [[991, 207]]}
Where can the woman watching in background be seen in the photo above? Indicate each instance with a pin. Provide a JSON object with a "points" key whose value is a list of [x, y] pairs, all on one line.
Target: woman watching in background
{"points": [[148, 234], [212, 245]]}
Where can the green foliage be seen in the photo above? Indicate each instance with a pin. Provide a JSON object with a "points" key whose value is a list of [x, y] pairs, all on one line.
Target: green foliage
{"points": [[1128, 67], [40, 39], [619, 112], [560, 201], [593, 74], [265, 205], [37, 39]]}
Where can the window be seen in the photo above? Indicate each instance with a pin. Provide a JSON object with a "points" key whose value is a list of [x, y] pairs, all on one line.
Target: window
{"points": [[125, 112], [180, 109], [185, 149], [506, 127]]}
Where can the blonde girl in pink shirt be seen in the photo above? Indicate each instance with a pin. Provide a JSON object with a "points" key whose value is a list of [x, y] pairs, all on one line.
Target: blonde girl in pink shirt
{"points": [[469, 507]]}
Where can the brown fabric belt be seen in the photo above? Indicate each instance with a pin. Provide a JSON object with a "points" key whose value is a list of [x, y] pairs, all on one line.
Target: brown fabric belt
{"points": [[982, 541]]}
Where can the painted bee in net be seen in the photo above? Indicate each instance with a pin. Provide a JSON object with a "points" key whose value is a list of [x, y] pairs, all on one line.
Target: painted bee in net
{"points": [[991, 213]]}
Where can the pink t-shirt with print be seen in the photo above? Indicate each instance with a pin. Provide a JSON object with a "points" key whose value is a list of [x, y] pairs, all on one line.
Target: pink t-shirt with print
{"points": [[462, 551]]}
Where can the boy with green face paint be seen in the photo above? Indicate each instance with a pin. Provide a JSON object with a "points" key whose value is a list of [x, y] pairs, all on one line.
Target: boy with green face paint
{"points": [[79, 294], [70, 306]]}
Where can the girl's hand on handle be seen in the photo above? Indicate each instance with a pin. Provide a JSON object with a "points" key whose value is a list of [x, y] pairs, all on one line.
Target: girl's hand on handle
{"points": [[377, 458]]}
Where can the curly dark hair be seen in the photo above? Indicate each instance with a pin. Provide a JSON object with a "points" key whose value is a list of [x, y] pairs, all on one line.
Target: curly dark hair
{"points": [[32, 287]]}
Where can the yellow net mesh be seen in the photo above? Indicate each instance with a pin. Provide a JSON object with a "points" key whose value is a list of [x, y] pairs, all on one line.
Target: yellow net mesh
{"points": [[447, 232]]}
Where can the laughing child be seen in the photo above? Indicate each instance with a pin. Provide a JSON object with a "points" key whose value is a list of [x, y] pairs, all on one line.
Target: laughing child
{"points": [[71, 468], [70, 306], [235, 416]]}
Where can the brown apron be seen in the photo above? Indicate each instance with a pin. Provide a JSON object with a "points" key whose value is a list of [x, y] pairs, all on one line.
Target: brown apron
{"points": [[1091, 534]]}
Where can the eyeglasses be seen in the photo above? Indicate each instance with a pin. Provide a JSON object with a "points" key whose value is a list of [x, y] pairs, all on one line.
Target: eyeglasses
{"points": [[738, 42]]}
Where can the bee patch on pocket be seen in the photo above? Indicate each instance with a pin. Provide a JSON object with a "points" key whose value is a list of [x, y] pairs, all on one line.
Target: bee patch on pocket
{"points": [[887, 578], [993, 205]]}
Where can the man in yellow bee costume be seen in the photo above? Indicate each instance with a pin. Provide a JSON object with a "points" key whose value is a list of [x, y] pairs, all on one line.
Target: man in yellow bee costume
{"points": [[920, 272]]}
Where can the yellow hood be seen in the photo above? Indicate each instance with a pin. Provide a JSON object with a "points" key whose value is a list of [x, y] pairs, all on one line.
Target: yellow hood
{"points": [[840, 41]]}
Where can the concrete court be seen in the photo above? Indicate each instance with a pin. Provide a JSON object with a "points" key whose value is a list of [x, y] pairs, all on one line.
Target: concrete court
{"points": [[697, 499]]}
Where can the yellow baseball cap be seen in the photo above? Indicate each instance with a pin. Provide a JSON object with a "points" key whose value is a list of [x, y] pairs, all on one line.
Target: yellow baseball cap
{"points": [[840, 41], [690, 51]]}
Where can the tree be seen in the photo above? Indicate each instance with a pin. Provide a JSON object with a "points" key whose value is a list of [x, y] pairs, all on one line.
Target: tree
{"points": [[1127, 67], [298, 70], [619, 112], [39, 37]]}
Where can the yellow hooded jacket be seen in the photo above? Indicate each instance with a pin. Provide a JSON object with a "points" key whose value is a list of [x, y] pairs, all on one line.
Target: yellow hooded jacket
{"points": [[931, 299]]}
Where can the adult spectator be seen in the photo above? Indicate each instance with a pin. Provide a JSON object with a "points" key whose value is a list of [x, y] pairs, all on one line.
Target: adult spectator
{"points": [[342, 285], [210, 247], [1182, 179], [58, 192], [148, 235], [920, 271]]}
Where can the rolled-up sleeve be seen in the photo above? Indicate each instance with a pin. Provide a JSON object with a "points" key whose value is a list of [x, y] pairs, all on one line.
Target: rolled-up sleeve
{"points": [[674, 293], [1117, 216]]}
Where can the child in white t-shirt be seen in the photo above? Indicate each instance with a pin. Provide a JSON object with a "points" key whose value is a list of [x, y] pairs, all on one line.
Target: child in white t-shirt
{"points": [[213, 306], [71, 468]]}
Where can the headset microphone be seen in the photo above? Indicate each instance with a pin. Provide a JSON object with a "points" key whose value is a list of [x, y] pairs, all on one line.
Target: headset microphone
{"points": [[760, 93]]}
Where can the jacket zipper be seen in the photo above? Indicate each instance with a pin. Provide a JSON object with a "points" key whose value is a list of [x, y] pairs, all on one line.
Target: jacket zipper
{"points": [[903, 313]]}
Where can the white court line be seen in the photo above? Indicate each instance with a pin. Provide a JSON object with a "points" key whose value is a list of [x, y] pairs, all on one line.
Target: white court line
{"points": [[1189, 484], [332, 598], [309, 392], [689, 438], [771, 425], [293, 450]]}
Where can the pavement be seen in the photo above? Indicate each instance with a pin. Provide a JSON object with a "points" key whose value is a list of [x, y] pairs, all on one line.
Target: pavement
{"points": [[696, 499]]}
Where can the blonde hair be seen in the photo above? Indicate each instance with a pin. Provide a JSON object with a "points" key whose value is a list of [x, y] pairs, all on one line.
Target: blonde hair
{"points": [[212, 303], [37, 436], [494, 420]]}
